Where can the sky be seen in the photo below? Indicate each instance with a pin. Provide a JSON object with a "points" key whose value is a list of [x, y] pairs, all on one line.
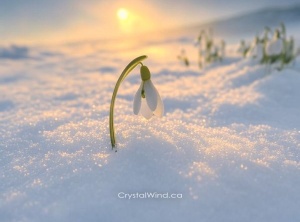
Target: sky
{"points": [[36, 21]]}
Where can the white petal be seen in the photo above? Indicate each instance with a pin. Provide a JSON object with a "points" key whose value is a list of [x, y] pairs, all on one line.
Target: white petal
{"points": [[151, 95], [160, 107], [137, 100], [275, 47], [145, 110]]}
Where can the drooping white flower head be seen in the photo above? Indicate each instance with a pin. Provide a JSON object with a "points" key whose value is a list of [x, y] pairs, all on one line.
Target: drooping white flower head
{"points": [[275, 46], [147, 101]]}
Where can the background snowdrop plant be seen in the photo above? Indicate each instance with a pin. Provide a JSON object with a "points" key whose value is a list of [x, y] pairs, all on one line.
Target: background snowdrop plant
{"points": [[243, 48], [147, 100], [272, 48], [209, 50], [183, 57], [256, 50], [277, 51]]}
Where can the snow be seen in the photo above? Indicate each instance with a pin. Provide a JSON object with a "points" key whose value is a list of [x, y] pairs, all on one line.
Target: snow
{"points": [[229, 141]]}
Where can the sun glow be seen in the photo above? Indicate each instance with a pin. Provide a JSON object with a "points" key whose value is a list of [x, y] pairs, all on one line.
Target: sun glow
{"points": [[122, 14], [136, 19]]}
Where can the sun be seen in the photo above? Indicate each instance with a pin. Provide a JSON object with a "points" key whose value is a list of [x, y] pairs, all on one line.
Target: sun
{"points": [[122, 14]]}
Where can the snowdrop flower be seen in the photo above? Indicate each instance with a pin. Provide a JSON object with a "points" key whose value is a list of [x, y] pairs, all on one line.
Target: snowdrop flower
{"points": [[147, 101], [243, 48], [257, 49], [275, 46], [183, 57]]}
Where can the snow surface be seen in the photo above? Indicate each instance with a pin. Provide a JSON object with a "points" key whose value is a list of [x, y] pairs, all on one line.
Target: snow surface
{"points": [[229, 141]]}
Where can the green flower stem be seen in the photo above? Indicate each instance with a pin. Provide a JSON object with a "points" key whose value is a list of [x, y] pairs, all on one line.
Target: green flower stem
{"points": [[124, 74]]}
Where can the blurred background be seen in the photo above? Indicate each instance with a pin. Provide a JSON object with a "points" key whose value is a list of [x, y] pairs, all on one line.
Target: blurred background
{"points": [[56, 21]]}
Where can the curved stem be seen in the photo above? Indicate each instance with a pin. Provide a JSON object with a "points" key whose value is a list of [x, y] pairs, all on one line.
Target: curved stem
{"points": [[123, 75]]}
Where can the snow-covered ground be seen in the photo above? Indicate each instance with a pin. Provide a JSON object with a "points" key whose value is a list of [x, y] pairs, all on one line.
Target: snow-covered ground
{"points": [[228, 144]]}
